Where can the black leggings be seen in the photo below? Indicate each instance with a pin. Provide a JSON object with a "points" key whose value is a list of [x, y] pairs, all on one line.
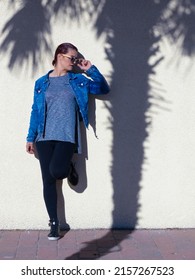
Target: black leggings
{"points": [[55, 159]]}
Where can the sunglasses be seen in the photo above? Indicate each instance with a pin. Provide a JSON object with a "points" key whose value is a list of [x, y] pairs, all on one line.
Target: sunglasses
{"points": [[73, 59]]}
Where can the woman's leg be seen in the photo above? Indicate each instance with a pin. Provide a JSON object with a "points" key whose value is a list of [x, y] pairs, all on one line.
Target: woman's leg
{"points": [[45, 151], [55, 159], [61, 159]]}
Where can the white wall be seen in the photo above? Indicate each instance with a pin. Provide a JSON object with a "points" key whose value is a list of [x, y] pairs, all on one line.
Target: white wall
{"points": [[139, 171]]}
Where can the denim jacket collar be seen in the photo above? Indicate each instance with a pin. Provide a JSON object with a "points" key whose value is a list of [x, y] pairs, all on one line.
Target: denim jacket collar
{"points": [[71, 75]]}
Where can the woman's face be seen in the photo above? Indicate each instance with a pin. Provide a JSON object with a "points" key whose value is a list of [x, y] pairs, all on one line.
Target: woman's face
{"points": [[67, 60]]}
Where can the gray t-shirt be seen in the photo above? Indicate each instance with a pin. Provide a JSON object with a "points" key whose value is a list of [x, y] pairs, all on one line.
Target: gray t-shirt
{"points": [[61, 111]]}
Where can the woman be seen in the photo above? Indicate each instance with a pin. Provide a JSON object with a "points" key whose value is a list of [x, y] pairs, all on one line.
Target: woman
{"points": [[60, 98]]}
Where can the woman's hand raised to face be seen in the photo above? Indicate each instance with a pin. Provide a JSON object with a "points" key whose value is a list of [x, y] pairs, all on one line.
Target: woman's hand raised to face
{"points": [[84, 64]]}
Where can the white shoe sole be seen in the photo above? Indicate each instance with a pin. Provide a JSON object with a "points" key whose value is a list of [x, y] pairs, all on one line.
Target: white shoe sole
{"points": [[53, 238]]}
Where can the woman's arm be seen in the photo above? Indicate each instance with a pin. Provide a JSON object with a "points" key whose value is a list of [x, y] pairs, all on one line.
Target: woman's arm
{"points": [[98, 84], [32, 131]]}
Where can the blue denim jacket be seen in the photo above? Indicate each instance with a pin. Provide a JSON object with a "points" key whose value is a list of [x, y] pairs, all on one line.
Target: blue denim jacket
{"points": [[82, 86]]}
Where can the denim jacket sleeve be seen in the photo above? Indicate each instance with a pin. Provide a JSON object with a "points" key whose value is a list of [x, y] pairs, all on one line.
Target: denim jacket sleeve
{"points": [[98, 84], [33, 126]]}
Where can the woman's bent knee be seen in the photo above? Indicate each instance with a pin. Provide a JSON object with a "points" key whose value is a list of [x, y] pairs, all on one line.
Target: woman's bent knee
{"points": [[59, 174]]}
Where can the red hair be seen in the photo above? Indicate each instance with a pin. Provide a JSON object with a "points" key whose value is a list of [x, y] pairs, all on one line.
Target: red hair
{"points": [[63, 48]]}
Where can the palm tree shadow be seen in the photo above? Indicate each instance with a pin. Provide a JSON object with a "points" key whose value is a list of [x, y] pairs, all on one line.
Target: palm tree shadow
{"points": [[128, 104], [27, 35], [132, 43], [109, 243]]}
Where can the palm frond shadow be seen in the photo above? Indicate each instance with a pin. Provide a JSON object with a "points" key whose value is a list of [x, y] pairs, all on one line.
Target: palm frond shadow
{"points": [[27, 35]]}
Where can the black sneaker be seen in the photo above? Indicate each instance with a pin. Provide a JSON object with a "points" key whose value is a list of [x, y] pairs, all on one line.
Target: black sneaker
{"points": [[73, 177], [54, 231]]}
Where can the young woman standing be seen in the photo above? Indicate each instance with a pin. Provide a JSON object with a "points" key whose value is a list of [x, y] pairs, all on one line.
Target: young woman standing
{"points": [[60, 98]]}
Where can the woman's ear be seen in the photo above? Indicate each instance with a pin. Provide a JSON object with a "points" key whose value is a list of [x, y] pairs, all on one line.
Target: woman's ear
{"points": [[59, 56]]}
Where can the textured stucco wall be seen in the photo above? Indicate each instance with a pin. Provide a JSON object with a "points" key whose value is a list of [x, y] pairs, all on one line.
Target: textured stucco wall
{"points": [[139, 170]]}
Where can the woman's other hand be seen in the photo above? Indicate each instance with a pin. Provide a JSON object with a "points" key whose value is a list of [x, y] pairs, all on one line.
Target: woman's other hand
{"points": [[30, 147]]}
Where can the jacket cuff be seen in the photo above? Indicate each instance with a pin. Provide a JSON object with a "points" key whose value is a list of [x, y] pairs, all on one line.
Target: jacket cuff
{"points": [[91, 70]]}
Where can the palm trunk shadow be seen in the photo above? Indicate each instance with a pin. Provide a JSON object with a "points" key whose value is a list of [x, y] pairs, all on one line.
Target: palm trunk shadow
{"points": [[109, 243], [130, 43]]}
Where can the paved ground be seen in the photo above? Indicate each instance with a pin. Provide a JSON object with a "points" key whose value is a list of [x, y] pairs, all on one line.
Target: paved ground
{"points": [[173, 244]]}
